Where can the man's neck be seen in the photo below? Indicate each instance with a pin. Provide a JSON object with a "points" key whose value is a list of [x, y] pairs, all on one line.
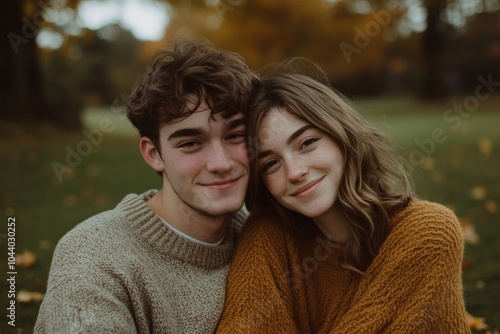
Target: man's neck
{"points": [[195, 224]]}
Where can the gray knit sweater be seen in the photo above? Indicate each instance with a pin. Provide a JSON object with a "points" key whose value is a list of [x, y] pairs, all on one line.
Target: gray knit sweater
{"points": [[125, 271]]}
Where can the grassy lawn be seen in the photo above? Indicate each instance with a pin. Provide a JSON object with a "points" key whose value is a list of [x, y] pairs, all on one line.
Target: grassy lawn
{"points": [[460, 170]]}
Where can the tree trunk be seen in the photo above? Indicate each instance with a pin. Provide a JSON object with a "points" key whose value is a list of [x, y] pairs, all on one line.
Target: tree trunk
{"points": [[22, 87], [434, 39]]}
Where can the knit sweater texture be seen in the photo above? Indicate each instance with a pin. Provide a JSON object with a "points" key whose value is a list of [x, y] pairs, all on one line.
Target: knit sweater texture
{"points": [[284, 282], [125, 271]]}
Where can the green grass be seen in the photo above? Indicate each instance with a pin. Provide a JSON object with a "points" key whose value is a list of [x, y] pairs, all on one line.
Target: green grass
{"points": [[45, 209]]}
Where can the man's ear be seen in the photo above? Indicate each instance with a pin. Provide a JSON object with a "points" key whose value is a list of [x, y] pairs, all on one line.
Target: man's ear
{"points": [[151, 154]]}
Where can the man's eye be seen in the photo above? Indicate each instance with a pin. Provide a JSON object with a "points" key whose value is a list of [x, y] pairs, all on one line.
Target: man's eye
{"points": [[189, 144], [237, 136]]}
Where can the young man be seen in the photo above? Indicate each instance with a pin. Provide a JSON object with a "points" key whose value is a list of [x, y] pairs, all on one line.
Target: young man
{"points": [[157, 263]]}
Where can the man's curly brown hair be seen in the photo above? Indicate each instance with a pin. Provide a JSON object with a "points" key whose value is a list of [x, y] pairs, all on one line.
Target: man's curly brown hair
{"points": [[188, 71]]}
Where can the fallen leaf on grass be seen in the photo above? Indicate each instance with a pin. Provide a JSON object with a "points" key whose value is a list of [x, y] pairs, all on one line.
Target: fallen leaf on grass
{"points": [[101, 201], [429, 163], [93, 171], [70, 201], [88, 192], [25, 259], [478, 193], [485, 146], [437, 176], [9, 211], [44, 244], [469, 232], [476, 323], [24, 296], [491, 206]]}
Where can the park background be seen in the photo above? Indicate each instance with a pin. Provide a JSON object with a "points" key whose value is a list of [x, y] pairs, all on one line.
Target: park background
{"points": [[426, 71]]}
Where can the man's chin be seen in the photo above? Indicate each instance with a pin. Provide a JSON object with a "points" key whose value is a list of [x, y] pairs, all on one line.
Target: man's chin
{"points": [[222, 210]]}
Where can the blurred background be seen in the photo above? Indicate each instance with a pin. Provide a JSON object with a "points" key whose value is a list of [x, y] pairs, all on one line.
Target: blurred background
{"points": [[425, 71]]}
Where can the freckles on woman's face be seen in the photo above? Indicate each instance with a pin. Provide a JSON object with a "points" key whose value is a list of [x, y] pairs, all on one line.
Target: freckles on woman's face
{"points": [[300, 165]]}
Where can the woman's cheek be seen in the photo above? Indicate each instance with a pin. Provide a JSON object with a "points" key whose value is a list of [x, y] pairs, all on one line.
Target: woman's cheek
{"points": [[273, 183]]}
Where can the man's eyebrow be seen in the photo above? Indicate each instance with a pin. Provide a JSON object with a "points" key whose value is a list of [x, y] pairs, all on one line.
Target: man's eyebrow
{"points": [[193, 132], [293, 136], [188, 132], [236, 122]]}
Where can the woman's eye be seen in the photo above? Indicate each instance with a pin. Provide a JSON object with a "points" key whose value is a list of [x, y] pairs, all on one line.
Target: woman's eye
{"points": [[265, 167], [308, 142]]}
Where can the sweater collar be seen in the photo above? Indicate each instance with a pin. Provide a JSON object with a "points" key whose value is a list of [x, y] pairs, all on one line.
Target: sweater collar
{"points": [[143, 222]]}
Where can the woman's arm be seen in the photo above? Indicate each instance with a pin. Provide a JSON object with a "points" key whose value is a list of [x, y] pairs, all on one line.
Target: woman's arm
{"points": [[414, 285]]}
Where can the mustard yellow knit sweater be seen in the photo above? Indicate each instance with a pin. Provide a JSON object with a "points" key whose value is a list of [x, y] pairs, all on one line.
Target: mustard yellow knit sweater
{"points": [[283, 282]]}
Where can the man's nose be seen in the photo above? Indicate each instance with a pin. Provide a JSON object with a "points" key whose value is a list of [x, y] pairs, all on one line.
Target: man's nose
{"points": [[219, 159]]}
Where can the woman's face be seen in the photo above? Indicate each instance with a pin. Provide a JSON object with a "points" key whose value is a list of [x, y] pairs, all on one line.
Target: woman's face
{"points": [[300, 165]]}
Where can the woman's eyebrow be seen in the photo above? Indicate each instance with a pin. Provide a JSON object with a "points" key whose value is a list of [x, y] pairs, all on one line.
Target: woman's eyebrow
{"points": [[290, 139], [298, 133], [264, 154]]}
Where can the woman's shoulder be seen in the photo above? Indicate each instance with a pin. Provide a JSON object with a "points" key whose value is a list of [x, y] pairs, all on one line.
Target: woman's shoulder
{"points": [[425, 211], [261, 224], [426, 220]]}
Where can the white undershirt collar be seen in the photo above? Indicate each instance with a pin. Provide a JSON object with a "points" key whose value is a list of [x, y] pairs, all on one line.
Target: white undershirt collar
{"points": [[184, 235]]}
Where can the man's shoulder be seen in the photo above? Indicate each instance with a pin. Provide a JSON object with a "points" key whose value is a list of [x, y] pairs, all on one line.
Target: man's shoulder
{"points": [[107, 221], [95, 238], [105, 229], [95, 227]]}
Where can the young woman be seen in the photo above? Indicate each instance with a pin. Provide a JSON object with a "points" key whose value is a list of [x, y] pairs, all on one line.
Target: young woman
{"points": [[337, 242]]}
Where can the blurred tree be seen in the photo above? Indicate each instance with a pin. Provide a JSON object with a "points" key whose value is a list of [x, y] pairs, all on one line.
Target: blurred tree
{"points": [[23, 90], [355, 42], [90, 67], [20, 93], [434, 39], [444, 18], [268, 31], [362, 44]]}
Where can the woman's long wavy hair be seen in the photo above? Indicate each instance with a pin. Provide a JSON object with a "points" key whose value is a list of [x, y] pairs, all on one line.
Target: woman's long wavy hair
{"points": [[374, 184]]}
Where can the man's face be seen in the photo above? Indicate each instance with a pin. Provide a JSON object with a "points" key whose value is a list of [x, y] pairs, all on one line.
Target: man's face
{"points": [[205, 162]]}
